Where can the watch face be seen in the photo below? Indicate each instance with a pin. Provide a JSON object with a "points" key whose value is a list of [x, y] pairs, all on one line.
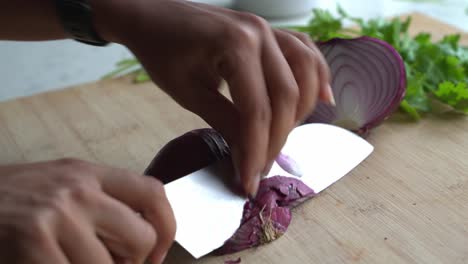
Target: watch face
{"points": [[76, 17]]}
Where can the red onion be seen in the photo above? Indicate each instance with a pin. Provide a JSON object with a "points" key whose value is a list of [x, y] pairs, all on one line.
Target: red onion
{"points": [[368, 82]]}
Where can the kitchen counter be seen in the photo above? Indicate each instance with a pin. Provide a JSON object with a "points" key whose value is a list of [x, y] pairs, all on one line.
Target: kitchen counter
{"points": [[30, 68]]}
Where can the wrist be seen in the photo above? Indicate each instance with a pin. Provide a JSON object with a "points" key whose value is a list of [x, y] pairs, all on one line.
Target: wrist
{"points": [[113, 18]]}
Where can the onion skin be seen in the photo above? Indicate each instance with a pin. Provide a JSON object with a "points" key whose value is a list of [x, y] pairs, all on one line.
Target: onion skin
{"points": [[190, 152], [267, 217], [288, 164], [368, 82]]}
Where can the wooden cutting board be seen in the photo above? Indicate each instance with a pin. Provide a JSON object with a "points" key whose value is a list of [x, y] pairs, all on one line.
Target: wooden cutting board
{"points": [[408, 203]]}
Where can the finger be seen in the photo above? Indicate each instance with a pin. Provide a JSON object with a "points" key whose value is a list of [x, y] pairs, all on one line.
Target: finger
{"points": [[304, 64], [122, 232], [41, 246], [80, 243], [242, 69], [218, 111], [46, 251], [267, 168], [283, 92], [125, 234], [325, 93], [205, 100], [145, 195]]}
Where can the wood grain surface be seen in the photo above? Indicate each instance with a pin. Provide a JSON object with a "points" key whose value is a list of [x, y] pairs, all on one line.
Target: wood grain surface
{"points": [[407, 203]]}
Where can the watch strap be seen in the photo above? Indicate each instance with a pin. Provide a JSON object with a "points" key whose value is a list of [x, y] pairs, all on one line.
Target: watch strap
{"points": [[77, 19]]}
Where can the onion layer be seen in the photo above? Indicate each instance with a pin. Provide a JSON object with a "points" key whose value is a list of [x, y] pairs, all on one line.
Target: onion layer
{"points": [[368, 82], [267, 217]]}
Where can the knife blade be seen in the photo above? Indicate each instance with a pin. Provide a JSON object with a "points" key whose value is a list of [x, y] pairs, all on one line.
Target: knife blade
{"points": [[208, 211]]}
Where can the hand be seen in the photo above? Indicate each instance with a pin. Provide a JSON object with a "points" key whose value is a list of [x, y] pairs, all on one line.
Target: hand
{"points": [[71, 211], [275, 76]]}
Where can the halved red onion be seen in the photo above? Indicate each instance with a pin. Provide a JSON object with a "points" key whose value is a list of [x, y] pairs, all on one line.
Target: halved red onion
{"points": [[368, 82]]}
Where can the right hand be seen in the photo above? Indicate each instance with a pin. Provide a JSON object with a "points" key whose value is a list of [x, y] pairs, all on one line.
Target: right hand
{"points": [[72, 211], [275, 76]]}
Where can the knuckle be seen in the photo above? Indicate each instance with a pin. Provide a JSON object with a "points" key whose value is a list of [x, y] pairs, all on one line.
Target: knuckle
{"points": [[322, 65], [306, 58], [317, 57], [73, 166], [74, 189], [242, 38], [74, 183], [310, 57], [257, 22], [148, 241], [154, 186], [290, 95], [314, 61], [81, 192], [37, 224], [58, 202], [57, 207], [304, 62], [257, 113], [304, 38], [145, 244]]}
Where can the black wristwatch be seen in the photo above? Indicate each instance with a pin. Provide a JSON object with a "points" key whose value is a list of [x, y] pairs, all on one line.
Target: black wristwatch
{"points": [[77, 19]]}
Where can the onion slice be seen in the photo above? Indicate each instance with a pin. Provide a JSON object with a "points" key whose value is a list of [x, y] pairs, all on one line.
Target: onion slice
{"points": [[368, 82]]}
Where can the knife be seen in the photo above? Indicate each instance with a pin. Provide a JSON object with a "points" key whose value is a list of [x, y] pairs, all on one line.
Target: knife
{"points": [[208, 211]]}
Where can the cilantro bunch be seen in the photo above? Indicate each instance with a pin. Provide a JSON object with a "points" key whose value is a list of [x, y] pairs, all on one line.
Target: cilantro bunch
{"points": [[437, 71]]}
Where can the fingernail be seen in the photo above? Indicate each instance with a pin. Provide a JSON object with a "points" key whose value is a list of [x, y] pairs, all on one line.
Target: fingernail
{"points": [[330, 96], [253, 186]]}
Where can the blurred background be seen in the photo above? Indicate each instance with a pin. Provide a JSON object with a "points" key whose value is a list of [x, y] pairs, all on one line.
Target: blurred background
{"points": [[34, 67]]}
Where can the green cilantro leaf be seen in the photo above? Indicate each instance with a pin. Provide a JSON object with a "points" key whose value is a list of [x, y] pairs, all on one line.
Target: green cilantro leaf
{"points": [[453, 94]]}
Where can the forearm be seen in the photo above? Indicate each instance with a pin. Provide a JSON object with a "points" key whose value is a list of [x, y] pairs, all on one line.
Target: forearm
{"points": [[39, 19], [30, 20]]}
